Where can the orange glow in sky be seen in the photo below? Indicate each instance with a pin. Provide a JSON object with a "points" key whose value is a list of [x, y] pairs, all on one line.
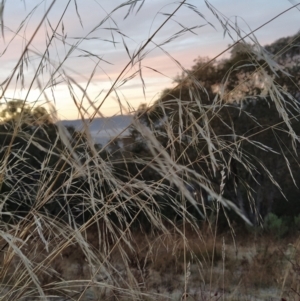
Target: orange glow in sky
{"points": [[92, 46]]}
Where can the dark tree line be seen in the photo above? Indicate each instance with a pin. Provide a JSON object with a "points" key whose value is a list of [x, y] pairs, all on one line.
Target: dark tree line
{"points": [[38, 169], [249, 133], [221, 122]]}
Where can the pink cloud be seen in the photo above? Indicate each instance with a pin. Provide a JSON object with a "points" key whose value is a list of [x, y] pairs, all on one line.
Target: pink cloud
{"points": [[136, 30]]}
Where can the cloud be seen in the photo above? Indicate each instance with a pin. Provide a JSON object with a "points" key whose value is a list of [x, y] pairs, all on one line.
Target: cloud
{"points": [[105, 39]]}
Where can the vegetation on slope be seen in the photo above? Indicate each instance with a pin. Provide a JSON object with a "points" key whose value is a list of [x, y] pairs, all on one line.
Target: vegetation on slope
{"points": [[224, 140]]}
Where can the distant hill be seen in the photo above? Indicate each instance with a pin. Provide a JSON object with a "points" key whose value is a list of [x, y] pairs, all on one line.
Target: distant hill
{"points": [[103, 129]]}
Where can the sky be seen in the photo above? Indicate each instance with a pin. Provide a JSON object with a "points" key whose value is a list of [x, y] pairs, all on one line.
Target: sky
{"points": [[94, 43]]}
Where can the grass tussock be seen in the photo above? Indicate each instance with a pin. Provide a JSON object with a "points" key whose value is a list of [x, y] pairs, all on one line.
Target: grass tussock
{"points": [[157, 215]]}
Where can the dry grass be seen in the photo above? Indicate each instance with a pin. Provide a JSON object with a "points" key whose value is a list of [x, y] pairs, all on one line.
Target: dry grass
{"points": [[46, 257], [156, 268]]}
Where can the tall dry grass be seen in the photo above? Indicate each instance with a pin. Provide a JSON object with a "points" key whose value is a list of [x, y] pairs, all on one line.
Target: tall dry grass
{"points": [[49, 258]]}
